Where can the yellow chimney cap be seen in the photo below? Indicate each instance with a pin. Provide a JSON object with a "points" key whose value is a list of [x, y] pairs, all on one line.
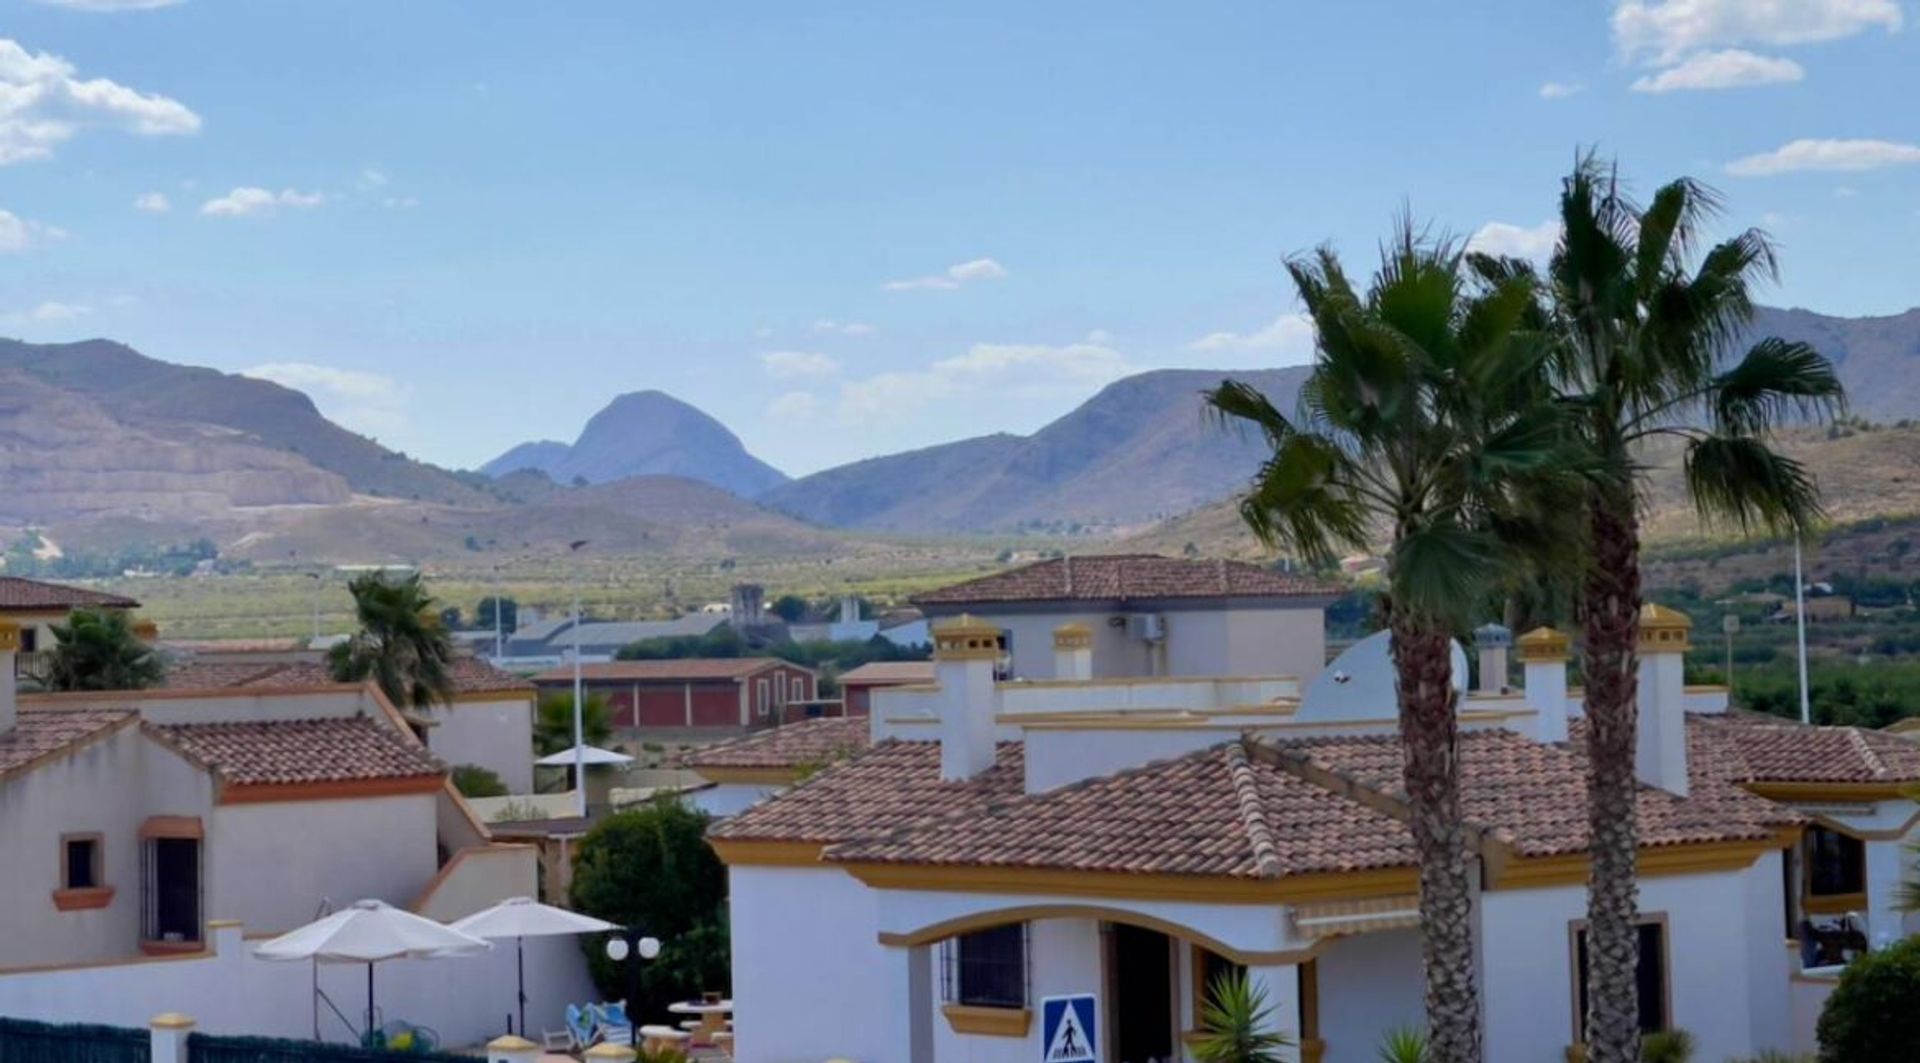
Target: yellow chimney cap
{"points": [[1664, 630], [9, 637], [1543, 644], [1072, 636], [965, 638]]}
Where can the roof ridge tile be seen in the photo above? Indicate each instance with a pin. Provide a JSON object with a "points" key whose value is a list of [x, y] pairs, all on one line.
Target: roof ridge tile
{"points": [[1253, 815]]}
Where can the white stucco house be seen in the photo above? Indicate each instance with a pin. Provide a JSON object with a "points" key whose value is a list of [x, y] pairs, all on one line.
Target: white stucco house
{"points": [[1148, 615], [1003, 841], [134, 821]]}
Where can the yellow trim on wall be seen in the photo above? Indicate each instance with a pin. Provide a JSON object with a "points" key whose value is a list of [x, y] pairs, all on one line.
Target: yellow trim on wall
{"points": [[752, 853], [987, 1022], [1028, 913], [1505, 871], [1125, 886]]}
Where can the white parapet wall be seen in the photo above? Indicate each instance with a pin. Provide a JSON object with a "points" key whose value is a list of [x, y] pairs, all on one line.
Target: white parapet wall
{"points": [[228, 991]]}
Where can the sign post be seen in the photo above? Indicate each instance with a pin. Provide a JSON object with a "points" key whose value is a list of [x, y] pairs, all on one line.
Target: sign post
{"points": [[1069, 1026]]}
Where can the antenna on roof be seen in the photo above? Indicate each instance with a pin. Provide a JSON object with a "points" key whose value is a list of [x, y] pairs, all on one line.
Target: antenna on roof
{"points": [[1066, 565]]}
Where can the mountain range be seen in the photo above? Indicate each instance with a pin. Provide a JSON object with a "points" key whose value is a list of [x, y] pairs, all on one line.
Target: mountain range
{"points": [[105, 445]]}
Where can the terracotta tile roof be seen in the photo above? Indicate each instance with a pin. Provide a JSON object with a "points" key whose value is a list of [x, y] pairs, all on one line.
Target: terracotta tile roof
{"points": [[18, 593], [43, 733], [889, 673], [823, 741], [339, 749], [1217, 812], [1533, 796], [1746, 747], [894, 784], [676, 670], [470, 675], [1123, 577]]}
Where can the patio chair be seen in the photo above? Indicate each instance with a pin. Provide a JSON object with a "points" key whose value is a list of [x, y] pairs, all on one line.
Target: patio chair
{"points": [[611, 1024], [580, 1032]]}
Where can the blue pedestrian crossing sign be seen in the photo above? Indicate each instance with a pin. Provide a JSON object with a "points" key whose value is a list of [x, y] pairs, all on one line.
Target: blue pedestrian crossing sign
{"points": [[1068, 1029]]}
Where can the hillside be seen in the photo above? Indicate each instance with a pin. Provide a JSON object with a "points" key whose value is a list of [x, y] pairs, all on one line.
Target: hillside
{"points": [[646, 433], [1862, 474], [1139, 450], [147, 395], [1878, 357]]}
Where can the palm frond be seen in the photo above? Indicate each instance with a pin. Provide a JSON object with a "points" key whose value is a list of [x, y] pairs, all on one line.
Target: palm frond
{"points": [[1777, 379], [1741, 480]]}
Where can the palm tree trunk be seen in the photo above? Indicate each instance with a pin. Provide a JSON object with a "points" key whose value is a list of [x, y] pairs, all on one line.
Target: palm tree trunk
{"points": [[1429, 736], [1610, 613]]}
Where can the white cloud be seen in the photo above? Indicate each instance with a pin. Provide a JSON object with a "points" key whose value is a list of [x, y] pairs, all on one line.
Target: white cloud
{"points": [[1731, 69], [370, 179], [368, 403], [152, 202], [844, 328], [400, 202], [110, 5], [1289, 340], [1560, 90], [978, 269], [785, 365], [1834, 156], [1845, 192], [1100, 336], [250, 200], [1004, 371], [1664, 32], [19, 234], [1516, 241], [795, 407], [42, 105], [51, 312]]}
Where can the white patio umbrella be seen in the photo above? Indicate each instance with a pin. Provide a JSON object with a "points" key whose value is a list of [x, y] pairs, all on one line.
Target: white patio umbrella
{"points": [[368, 932], [589, 755], [520, 918]]}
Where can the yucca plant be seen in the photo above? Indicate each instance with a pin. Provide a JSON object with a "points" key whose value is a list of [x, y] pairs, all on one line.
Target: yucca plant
{"points": [[1666, 1046], [1404, 1044], [1236, 1024]]}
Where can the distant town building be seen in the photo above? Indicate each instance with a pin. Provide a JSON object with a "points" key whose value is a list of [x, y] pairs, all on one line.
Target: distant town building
{"points": [[693, 696], [35, 607]]}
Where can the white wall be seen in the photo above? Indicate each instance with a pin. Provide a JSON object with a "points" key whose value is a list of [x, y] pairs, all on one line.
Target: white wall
{"points": [[1275, 641], [1064, 957], [1527, 960], [1369, 984], [721, 800], [271, 864], [496, 735], [465, 1000], [808, 970]]}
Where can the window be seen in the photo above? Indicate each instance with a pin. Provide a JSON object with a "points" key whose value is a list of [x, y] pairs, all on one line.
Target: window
{"points": [[29, 639], [170, 890], [1651, 974], [80, 862], [987, 968], [765, 697], [1836, 864], [1208, 968]]}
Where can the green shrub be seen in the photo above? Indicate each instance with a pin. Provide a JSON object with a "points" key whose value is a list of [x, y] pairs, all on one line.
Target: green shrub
{"points": [[1666, 1046], [1871, 1015], [1404, 1044], [1234, 1023], [472, 780]]}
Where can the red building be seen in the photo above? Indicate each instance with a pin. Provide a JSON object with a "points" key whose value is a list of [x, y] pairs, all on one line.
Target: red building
{"points": [[694, 693], [856, 687]]}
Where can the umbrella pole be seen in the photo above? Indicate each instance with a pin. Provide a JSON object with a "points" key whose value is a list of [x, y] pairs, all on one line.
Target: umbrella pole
{"points": [[369, 1035], [520, 965]]}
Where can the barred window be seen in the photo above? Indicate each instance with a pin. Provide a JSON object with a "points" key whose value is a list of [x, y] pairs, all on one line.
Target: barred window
{"points": [[987, 968]]}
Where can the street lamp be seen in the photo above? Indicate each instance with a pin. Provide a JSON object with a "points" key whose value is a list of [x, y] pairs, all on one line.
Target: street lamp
{"points": [[579, 708], [626, 942], [316, 577]]}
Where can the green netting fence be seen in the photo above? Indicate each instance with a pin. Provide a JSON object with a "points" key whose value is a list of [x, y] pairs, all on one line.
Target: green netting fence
{"points": [[207, 1048], [23, 1041]]}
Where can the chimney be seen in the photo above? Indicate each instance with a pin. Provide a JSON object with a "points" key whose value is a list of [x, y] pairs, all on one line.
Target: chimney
{"points": [[1073, 651], [1660, 759], [849, 610], [747, 606], [1492, 641], [965, 651], [1543, 654], [9, 685]]}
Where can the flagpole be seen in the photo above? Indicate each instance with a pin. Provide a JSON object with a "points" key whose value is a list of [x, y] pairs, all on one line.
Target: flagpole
{"points": [[1800, 621]]}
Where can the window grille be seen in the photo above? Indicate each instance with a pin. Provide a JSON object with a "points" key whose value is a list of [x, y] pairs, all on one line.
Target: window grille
{"points": [[988, 968]]}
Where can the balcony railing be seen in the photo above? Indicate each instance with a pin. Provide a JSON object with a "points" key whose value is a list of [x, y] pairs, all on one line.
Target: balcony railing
{"points": [[33, 664]]}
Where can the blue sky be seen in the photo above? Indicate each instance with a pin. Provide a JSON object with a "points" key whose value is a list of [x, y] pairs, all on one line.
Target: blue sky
{"points": [[851, 228]]}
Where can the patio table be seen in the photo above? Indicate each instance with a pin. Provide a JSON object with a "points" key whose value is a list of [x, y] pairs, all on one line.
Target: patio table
{"points": [[712, 1016]]}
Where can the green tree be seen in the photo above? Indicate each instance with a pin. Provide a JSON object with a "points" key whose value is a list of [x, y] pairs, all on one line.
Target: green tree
{"points": [[1643, 337], [97, 649], [1236, 1023], [472, 780], [1871, 1014], [509, 614], [1423, 418], [651, 869], [553, 724], [402, 644], [789, 607]]}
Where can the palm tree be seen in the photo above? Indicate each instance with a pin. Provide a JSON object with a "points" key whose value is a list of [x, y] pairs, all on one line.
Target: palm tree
{"points": [[1642, 335], [1424, 417], [553, 723], [402, 645], [98, 649]]}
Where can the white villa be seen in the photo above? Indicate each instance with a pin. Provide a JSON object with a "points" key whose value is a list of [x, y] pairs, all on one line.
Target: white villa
{"points": [[997, 839]]}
